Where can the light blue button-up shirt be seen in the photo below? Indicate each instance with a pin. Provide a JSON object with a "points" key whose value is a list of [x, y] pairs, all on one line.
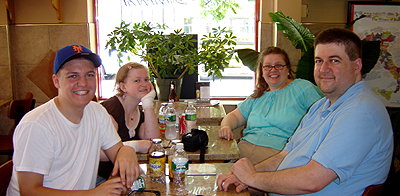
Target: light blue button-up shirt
{"points": [[353, 137]]}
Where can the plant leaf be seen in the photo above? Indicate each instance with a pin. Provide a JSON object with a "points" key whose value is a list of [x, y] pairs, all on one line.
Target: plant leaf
{"points": [[370, 50], [354, 21], [305, 68], [300, 36], [249, 57], [370, 54]]}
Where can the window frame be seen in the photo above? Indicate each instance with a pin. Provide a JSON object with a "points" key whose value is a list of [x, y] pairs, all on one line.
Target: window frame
{"points": [[96, 40]]}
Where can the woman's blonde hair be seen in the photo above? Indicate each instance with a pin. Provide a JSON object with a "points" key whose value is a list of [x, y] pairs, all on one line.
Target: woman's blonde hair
{"points": [[261, 84], [122, 74]]}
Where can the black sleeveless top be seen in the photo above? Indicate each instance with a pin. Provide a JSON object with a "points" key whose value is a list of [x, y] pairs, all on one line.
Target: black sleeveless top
{"points": [[116, 110]]}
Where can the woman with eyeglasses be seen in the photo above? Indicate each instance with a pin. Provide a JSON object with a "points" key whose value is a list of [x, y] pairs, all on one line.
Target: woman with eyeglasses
{"points": [[272, 113]]}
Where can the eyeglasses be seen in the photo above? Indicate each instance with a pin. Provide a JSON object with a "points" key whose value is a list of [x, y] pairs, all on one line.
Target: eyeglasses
{"points": [[269, 67]]}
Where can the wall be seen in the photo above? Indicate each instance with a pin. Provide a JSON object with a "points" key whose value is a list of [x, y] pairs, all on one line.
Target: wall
{"points": [[321, 15], [324, 14], [35, 34], [269, 35]]}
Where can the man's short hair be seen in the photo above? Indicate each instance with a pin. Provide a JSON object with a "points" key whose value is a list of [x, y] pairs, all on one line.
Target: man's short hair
{"points": [[339, 36]]}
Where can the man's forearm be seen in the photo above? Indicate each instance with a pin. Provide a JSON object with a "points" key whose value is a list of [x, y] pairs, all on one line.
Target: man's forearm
{"points": [[272, 163], [309, 178], [103, 156], [32, 184], [39, 191], [113, 151]]}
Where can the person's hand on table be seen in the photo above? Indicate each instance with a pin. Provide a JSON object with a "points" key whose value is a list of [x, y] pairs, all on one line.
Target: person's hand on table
{"points": [[244, 170], [144, 146], [127, 164], [140, 146], [225, 132], [225, 180], [110, 187]]}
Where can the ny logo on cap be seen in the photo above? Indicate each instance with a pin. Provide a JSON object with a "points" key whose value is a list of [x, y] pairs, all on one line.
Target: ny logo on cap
{"points": [[78, 49]]}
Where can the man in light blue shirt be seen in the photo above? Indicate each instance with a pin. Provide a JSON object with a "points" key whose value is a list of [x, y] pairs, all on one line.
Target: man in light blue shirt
{"points": [[343, 144]]}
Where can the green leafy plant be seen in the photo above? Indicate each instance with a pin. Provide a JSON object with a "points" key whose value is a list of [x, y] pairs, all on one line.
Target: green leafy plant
{"points": [[303, 39], [216, 51], [166, 55], [300, 36], [170, 56], [248, 57], [218, 8]]}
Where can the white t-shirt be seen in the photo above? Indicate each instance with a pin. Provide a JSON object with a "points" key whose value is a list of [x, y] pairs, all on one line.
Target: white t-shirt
{"points": [[67, 154]]}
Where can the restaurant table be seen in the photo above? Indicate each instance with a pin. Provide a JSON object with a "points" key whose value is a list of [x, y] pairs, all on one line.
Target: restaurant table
{"points": [[207, 113], [204, 184], [218, 149]]}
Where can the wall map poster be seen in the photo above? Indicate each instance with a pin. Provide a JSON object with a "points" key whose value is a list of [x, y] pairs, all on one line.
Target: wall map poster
{"points": [[382, 22]]}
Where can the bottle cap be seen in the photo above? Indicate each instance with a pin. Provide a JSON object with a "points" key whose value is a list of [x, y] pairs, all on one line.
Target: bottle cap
{"points": [[176, 141], [156, 141], [179, 146]]}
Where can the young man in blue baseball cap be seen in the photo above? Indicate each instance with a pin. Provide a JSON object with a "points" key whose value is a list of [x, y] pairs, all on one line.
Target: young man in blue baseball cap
{"points": [[57, 145]]}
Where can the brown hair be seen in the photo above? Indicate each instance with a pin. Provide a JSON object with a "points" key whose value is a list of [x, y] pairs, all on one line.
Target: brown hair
{"points": [[261, 84], [122, 74], [350, 40]]}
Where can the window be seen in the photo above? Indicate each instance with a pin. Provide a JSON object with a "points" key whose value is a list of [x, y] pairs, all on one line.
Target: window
{"points": [[178, 14]]}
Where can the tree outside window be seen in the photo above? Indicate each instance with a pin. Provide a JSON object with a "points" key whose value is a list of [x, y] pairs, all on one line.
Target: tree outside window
{"points": [[194, 17]]}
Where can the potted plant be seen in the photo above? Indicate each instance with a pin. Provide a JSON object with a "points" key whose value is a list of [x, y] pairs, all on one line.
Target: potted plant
{"points": [[303, 39], [170, 56]]}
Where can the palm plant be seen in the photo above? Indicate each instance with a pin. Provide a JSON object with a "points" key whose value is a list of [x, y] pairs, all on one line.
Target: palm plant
{"points": [[303, 39]]}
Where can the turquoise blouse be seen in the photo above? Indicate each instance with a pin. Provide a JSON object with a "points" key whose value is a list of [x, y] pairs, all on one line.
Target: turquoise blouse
{"points": [[273, 117]]}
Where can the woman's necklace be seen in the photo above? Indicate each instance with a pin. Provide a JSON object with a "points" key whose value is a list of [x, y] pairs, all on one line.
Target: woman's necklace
{"points": [[134, 112]]}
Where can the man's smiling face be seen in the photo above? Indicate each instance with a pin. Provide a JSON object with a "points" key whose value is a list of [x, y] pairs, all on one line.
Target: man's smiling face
{"points": [[334, 72], [76, 82]]}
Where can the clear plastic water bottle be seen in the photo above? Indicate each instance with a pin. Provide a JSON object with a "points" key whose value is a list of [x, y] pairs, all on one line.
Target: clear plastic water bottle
{"points": [[179, 164], [139, 184], [170, 156], [161, 117], [170, 120], [190, 117]]}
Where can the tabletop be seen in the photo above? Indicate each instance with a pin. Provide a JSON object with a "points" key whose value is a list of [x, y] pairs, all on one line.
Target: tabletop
{"points": [[218, 149], [194, 184], [207, 113]]}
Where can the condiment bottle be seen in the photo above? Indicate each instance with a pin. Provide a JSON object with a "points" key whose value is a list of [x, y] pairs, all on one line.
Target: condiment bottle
{"points": [[172, 95], [157, 161]]}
